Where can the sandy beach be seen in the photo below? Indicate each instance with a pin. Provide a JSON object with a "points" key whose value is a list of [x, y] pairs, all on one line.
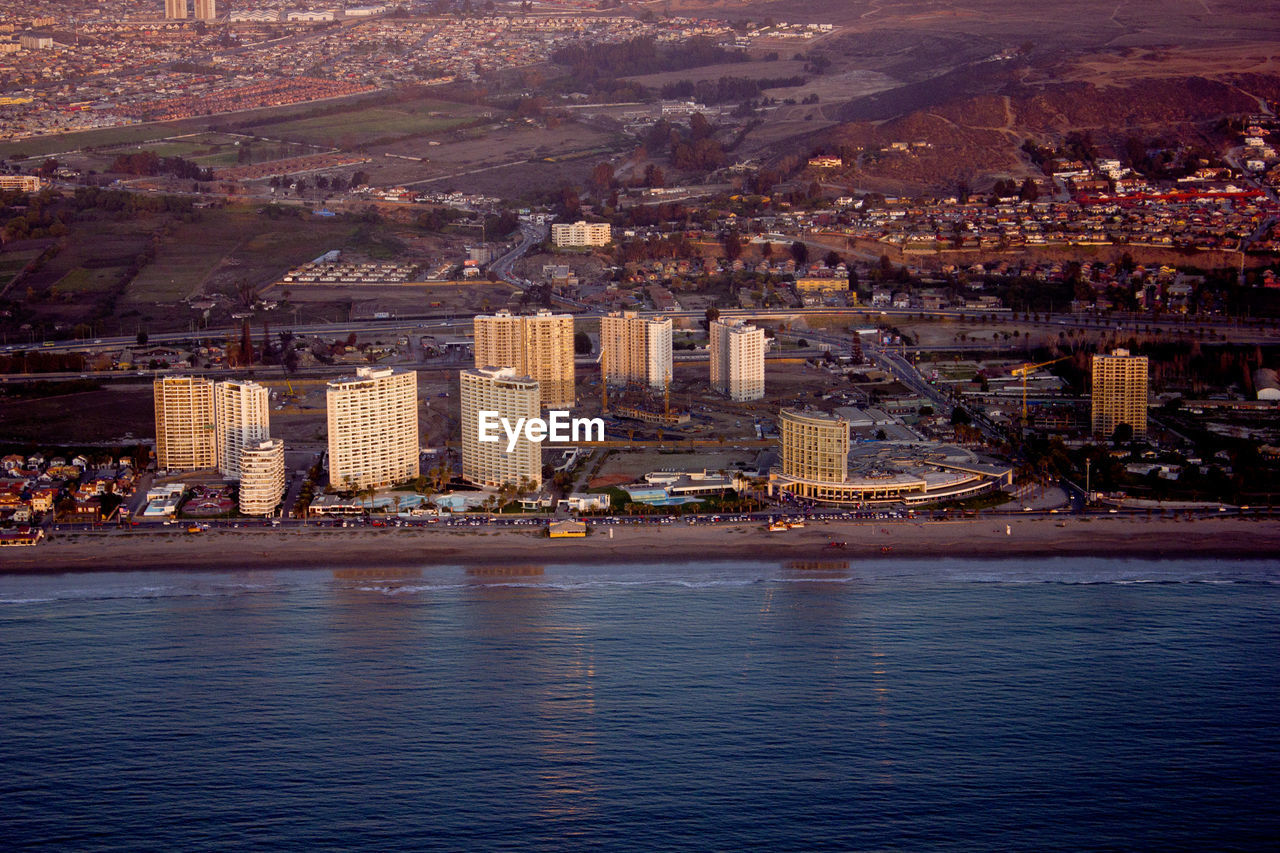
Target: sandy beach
{"points": [[413, 547]]}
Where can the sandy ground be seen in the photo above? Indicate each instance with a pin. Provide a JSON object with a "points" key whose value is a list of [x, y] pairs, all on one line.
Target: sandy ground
{"points": [[380, 548]]}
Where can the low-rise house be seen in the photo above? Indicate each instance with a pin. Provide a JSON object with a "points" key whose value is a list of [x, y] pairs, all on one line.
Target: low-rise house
{"points": [[42, 499], [584, 502], [88, 511], [22, 537]]}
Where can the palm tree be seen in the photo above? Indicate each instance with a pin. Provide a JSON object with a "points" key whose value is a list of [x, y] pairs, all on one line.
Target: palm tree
{"points": [[526, 487], [505, 492]]}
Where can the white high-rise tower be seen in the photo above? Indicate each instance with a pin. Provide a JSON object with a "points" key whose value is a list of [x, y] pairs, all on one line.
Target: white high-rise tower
{"points": [[373, 428], [186, 437], [540, 347], [512, 396], [636, 349], [242, 412], [737, 359]]}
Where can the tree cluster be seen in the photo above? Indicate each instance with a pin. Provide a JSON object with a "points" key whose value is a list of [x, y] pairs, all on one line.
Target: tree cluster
{"points": [[118, 201], [149, 163], [640, 55], [695, 149], [727, 90], [655, 248]]}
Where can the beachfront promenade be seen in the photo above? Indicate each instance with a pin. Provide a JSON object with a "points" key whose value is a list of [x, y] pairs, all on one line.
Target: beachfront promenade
{"points": [[1012, 535]]}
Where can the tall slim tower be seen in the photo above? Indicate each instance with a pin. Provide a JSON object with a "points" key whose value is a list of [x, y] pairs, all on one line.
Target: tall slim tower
{"points": [[186, 438], [540, 347], [262, 477], [175, 10], [737, 359], [1119, 392], [636, 349], [512, 396], [242, 411], [373, 428], [206, 10]]}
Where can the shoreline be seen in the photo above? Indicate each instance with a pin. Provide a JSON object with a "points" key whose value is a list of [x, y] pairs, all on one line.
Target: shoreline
{"points": [[1157, 539]]}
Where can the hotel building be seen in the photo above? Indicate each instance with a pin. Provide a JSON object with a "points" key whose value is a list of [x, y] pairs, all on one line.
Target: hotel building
{"points": [[737, 359], [261, 477], [186, 437], [1119, 392], [206, 10], [373, 428], [818, 467], [242, 412], [636, 349], [510, 395], [540, 347], [815, 446], [175, 9], [580, 233]]}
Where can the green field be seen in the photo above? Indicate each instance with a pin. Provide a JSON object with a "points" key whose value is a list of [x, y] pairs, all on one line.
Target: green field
{"points": [[129, 134], [11, 263], [185, 259], [362, 126], [209, 150], [257, 250], [82, 280], [356, 125], [176, 148], [133, 134]]}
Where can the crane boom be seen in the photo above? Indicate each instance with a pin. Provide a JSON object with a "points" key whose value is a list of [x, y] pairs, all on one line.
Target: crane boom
{"points": [[1026, 369]]}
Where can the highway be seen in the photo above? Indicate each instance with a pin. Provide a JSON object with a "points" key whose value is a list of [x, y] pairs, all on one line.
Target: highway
{"points": [[530, 236], [1232, 330]]}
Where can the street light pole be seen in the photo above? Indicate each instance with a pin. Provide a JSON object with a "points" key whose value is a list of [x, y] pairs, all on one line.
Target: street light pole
{"points": [[1088, 466]]}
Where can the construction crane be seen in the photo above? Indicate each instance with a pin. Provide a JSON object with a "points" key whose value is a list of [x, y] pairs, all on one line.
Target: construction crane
{"points": [[604, 381], [1029, 368]]}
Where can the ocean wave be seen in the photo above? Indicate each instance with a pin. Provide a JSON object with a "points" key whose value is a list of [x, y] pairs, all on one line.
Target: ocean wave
{"points": [[147, 593], [818, 579], [320, 584]]}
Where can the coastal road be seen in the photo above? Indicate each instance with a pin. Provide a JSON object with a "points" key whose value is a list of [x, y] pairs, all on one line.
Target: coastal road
{"points": [[1229, 329]]}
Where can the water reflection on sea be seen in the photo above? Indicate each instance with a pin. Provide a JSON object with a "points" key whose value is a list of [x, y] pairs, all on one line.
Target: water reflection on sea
{"points": [[815, 704]]}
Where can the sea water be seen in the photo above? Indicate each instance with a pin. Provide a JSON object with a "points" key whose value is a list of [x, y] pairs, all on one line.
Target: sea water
{"points": [[820, 705]]}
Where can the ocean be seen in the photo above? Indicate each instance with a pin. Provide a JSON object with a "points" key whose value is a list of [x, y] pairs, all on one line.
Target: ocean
{"points": [[825, 705]]}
